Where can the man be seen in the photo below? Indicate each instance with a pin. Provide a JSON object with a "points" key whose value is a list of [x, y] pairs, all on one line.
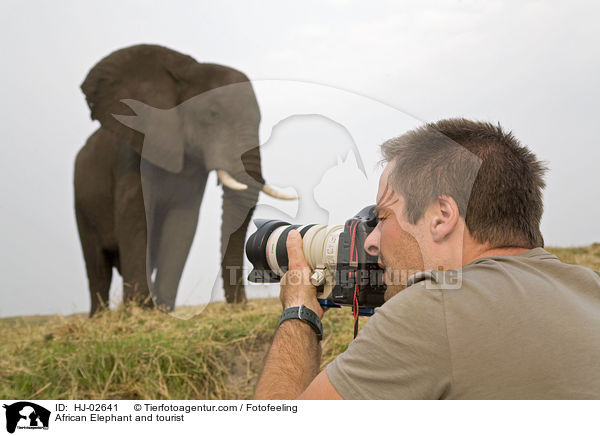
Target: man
{"points": [[475, 307]]}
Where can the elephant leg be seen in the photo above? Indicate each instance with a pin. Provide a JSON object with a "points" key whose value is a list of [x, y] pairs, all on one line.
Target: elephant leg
{"points": [[238, 208], [177, 231], [177, 235], [98, 264], [131, 233]]}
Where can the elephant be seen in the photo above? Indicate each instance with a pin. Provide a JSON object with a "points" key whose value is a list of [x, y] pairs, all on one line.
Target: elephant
{"points": [[166, 121]]}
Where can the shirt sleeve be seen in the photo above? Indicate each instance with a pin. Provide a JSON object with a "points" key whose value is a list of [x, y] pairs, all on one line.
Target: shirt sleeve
{"points": [[402, 352]]}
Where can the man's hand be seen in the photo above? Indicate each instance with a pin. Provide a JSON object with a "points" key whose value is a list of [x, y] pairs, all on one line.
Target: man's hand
{"points": [[293, 360], [296, 288]]}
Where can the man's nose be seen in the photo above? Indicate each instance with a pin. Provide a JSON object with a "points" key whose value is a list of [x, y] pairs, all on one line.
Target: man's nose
{"points": [[372, 243]]}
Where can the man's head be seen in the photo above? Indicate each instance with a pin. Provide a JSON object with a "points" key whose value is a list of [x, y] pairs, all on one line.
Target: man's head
{"points": [[452, 191]]}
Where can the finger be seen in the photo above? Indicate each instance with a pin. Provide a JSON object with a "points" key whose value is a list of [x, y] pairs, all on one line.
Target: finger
{"points": [[296, 258]]}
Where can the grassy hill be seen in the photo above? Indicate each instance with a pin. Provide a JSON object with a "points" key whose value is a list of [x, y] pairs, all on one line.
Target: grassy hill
{"points": [[132, 353]]}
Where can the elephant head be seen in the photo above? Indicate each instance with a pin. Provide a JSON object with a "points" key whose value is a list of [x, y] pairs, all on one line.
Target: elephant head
{"points": [[182, 109], [185, 118]]}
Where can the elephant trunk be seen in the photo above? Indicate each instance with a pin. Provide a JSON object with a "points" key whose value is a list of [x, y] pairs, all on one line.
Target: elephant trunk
{"points": [[238, 207], [240, 195]]}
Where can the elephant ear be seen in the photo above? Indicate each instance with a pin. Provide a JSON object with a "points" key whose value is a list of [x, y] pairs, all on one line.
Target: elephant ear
{"points": [[161, 145], [134, 92]]}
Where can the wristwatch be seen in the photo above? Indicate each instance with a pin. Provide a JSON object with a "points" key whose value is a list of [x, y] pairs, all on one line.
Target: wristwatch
{"points": [[305, 314]]}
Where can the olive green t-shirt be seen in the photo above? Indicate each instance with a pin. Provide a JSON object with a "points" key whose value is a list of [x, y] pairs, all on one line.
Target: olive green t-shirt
{"points": [[515, 327]]}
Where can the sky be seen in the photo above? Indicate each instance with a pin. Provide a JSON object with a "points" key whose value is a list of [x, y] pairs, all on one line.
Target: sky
{"points": [[346, 73]]}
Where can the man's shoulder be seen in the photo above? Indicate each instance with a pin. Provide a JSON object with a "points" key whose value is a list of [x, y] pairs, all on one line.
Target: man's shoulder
{"points": [[531, 266]]}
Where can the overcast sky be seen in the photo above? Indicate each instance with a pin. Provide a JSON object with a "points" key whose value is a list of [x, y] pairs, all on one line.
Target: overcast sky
{"points": [[383, 67]]}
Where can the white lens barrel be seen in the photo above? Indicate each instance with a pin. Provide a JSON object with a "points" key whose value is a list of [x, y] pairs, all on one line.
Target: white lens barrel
{"points": [[272, 250], [319, 243], [330, 247]]}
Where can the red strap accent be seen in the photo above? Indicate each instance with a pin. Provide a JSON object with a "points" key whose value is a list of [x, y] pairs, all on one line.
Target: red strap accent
{"points": [[352, 248]]}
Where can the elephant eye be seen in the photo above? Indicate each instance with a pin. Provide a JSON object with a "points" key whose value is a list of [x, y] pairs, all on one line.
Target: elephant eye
{"points": [[213, 114]]}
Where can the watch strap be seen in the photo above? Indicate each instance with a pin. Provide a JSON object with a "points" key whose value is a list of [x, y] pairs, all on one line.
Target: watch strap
{"points": [[305, 314]]}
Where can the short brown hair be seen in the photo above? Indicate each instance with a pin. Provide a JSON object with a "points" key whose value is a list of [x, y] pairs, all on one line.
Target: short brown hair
{"points": [[496, 182]]}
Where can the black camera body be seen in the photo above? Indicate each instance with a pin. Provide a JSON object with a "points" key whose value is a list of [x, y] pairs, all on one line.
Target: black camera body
{"points": [[358, 271], [343, 271]]}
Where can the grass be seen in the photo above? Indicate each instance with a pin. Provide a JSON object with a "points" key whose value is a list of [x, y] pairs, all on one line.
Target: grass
{"points": [[586, 256], [132, 353]]}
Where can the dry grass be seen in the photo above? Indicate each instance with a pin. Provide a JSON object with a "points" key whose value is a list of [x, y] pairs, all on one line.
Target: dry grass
{"points": [[139, 354], [586, 256], [133, 353]]}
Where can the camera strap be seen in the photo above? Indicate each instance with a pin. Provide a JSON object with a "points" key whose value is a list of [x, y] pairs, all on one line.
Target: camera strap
{"points": [[354, 258], [355, 307]]}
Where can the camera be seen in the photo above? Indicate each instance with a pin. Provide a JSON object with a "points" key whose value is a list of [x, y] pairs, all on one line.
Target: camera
{"points": [[343, 272]]}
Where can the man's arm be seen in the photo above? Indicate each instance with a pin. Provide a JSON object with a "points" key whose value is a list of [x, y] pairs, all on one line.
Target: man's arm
{"points": [[293, 360]]}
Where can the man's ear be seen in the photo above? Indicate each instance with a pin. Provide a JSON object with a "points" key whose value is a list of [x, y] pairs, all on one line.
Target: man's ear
{"points": [[443, 218]]}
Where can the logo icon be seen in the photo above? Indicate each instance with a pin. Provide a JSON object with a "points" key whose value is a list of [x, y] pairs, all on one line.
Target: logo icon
{"points": [[26, 415]]}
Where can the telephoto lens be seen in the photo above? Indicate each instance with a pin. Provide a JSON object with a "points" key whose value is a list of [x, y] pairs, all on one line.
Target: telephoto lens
{"points": [[343, 272]]}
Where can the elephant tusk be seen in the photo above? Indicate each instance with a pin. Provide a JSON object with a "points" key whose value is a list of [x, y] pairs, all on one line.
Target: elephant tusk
{"points": [[273, 193], [229, 181]]}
